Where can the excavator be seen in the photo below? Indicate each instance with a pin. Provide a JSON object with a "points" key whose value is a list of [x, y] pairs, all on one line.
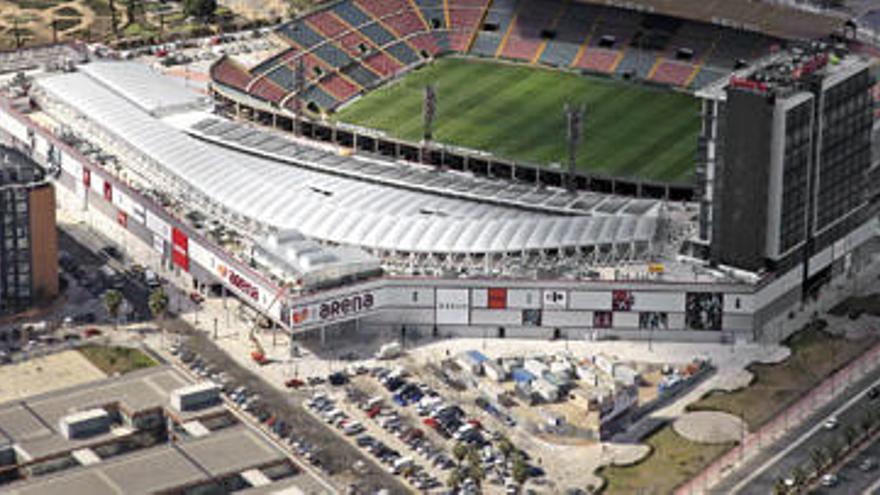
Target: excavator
{"points": [[258, 354]]}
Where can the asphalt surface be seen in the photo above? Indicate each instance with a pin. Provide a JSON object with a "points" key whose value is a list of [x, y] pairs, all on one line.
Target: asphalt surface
{"points": [[82, 245], [334, 454], [851, 479], [800, 456]]}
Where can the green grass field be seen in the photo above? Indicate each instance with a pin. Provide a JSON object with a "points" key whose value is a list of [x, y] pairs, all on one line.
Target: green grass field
{"points": [[516, 112]]}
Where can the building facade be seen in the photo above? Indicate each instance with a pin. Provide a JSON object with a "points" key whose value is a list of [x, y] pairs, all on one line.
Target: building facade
{"points": [[785, 155], [28, 236]]}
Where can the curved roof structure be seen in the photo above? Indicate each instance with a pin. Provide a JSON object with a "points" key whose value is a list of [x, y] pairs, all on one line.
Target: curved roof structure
{"points": [[330, 207]]}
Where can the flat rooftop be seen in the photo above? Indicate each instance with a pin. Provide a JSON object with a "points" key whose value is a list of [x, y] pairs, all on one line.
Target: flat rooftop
{"points": [[32, 423], [190, 462]]}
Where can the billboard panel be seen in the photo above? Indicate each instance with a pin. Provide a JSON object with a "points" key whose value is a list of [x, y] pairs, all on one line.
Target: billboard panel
{"points": [[524, 298], [654, 320], [603, 319], [622, 300], [497, 298], [658, 301], [704, 310], [180, 248], [531, 317], [598, 300], [158, 226], [200, 255], [555, 299], [453, 307]]}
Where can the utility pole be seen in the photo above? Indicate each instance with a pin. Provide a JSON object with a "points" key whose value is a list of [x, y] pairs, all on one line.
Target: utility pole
{"points": [[299, 82], [574, 116], [54, 31], [429, 111], [17, 32]]}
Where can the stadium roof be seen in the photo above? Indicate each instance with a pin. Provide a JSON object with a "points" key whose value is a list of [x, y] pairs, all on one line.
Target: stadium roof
{"points": [[776, 20], [331, 207], [136, 83]]}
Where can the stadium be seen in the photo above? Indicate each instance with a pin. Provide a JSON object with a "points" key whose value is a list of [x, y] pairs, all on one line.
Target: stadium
{"points": [[309, 186]]}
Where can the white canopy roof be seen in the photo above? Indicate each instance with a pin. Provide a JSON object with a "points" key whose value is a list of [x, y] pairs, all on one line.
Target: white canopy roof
{"points": [[329, 207]]}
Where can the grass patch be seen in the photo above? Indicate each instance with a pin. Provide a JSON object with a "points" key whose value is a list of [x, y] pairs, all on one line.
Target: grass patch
{"points": [[68, 11], [112, 359], [673, 460], [815, 354], [66, 23], [516, 112]]}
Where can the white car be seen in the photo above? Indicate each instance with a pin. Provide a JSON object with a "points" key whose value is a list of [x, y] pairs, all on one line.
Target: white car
{"points": [[830, 423], [829, 479]]}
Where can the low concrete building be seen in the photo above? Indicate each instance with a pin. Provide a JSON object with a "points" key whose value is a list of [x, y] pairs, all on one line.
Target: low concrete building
{"points": [[85, 423]]}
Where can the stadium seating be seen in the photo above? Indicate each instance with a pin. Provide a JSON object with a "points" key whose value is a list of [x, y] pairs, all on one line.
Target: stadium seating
{"points": [[464, 20], [674, 73], [382, 64], [533, 19], [353, 45], [598, 60], [339, 87]]}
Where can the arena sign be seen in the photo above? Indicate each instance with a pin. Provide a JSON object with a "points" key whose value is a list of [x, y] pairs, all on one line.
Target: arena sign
{"points": [[332, 309], [239, 282]]}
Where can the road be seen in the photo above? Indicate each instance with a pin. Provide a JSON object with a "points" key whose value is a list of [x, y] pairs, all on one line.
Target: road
{"points": [[794, 450], [851, 479], [334, 453]]}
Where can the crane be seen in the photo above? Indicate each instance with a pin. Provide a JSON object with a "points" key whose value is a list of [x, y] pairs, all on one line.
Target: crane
{"points": [[258, 354]]}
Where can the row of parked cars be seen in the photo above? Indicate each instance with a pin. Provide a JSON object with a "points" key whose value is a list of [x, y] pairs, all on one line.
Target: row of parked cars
{"points": [[250, 402], [397, 463], [451, 422]]}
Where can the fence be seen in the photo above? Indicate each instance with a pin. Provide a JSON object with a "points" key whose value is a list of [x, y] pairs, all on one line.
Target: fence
{"points": [[775, 429]]}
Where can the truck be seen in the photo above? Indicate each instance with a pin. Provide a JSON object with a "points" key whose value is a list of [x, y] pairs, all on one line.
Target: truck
{"points": [[389, 351]]}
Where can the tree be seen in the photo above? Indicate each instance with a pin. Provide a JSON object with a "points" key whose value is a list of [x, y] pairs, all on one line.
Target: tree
{"points": [[505, 446], [476, 472], [454, 479], [158, 303], [818, 457], [200, 8], [850, 434], [113, 301], [520, 469], [797, 475], [460, 451], [779, 487]]}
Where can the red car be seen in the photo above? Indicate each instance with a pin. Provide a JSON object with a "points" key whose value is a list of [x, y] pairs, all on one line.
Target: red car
{"points": [[431, 422], [294, 383], [91, 332], [372, 413], [475, 423]]}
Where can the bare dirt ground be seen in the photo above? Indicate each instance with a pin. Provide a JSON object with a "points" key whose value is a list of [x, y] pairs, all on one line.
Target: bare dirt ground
{"points": [[44, 374]]}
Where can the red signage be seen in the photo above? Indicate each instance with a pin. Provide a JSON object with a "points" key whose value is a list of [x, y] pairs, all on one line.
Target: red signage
{"points": [[87, 177], [497, 298], [122, 218], [108, 191], [180, 248]]}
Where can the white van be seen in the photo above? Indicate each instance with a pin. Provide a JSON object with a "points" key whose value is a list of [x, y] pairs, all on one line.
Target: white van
{"points": [[152, 279]]}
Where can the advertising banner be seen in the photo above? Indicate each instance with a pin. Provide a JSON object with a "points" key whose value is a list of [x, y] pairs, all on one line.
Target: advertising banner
{"points": [[453, 307], [180, 248], [497, 298], [158, 226], [555, 299], [335, 308]]}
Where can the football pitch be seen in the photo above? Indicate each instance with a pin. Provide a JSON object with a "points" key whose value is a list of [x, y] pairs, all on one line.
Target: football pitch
{"points": [[516, 112]]}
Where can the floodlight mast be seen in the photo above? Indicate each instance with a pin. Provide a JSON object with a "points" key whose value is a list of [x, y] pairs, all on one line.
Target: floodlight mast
{"points": [[429, 110], [574, 117], [299, 81]]}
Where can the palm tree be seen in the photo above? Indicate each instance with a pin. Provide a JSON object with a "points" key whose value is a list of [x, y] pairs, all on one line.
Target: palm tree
{"points": [[779, 487], [158, 303], [797, 475], [504, 445], [460, 451], [454, 479], [850, 434], [113, 301], [520, 469], [818, 458]]}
